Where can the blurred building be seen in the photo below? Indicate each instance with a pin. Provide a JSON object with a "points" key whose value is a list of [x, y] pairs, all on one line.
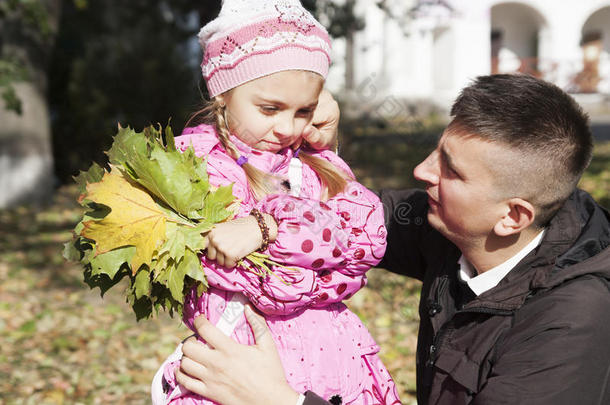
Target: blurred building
{"points": [[430, 49]]}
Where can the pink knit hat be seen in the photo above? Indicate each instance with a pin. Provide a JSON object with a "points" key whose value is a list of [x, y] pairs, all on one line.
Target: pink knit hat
{"points": [[254, 38]]}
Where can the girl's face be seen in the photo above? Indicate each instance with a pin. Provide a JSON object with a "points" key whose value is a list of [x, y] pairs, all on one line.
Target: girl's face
{"points": [[271, 113]]}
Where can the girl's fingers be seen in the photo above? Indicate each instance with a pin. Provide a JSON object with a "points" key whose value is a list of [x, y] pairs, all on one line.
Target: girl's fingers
{"points": [[211, 252], [230, 262], [220, 258]]}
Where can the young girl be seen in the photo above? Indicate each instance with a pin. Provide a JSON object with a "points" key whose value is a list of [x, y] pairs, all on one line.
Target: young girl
{"points": [[265, 63]]}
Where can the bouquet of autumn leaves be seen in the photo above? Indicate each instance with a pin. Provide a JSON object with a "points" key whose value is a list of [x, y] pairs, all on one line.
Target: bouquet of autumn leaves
{"points": [[147, 218]]}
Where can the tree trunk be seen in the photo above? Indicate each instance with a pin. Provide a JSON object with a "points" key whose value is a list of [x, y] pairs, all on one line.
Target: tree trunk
{"points": [[26, 159], [349, 51]]}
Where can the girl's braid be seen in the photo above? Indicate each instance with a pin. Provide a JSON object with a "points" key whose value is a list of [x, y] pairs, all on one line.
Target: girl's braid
{"points": [[222, 128]]}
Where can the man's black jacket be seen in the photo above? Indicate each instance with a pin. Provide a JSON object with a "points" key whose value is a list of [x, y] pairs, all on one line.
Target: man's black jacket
{"points": [[541, 336]]}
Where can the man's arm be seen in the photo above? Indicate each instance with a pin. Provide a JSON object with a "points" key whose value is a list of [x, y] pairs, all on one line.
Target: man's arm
{"points": [[406, 221]]}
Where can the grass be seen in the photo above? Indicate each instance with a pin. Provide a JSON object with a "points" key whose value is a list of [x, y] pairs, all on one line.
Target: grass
{"points": [[596, 179]]}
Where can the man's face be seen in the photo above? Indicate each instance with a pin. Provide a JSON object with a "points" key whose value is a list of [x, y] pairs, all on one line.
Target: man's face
{"points": [[462, 191]]}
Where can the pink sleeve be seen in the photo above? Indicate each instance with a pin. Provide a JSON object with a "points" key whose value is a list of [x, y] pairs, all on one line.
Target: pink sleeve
{"points": [[330, 245]]}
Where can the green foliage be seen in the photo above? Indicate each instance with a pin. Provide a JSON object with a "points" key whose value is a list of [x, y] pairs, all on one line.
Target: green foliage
{"points": [[596, 179], [117, 61], [340, 19], [33, 14], [177, 178], [11, 71], [23, 22]]}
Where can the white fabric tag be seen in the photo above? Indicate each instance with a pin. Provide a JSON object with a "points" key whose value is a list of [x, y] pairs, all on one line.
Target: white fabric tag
{"points": [[232, 314], [295, 176]]}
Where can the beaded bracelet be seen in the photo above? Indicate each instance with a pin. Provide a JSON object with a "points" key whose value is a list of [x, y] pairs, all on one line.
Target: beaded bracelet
{"points": [[263, 226]]}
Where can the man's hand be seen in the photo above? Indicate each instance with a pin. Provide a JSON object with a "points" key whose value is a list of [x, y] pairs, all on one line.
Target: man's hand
{"points": [[231, 373], [322, 133]]}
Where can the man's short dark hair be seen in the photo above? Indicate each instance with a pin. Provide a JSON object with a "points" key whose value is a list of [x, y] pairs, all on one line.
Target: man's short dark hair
{"points": [[545, 129]]}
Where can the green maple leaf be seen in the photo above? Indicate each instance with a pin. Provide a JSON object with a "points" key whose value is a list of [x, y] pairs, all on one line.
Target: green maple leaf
{"points": [[175, 244], [175, 280], [142, 285], [102, 281], [178, 179], [216, 203], [110, 262], [193, 237], [194, 269], [93, 175]]}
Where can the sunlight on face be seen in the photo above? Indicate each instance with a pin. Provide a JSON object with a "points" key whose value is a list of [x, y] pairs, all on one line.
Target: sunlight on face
{"points": [[460, 186], [271, 113]]}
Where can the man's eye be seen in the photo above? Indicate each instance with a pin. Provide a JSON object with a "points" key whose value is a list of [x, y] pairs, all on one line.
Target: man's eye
{"points": [[452, 172], [448, 169]]}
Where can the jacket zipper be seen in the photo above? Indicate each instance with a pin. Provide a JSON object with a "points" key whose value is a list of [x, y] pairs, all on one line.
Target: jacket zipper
{"points": [[434, 306], [438, 337], [483, 310]]}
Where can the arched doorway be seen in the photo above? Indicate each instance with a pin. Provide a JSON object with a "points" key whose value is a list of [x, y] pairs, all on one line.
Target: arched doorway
{"points": [[518, 38], [595, 44]]}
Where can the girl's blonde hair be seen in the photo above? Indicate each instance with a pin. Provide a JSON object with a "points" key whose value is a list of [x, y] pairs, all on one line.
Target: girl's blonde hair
{"points": [[261, 184]]}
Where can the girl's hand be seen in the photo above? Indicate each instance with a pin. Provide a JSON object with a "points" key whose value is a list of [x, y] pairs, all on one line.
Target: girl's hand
{"points": [[322, 133], [231, 241], [231, 373]]}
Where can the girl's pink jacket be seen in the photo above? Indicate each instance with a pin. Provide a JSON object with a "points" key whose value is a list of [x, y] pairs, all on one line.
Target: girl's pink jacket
{"points": [[324, 347]]}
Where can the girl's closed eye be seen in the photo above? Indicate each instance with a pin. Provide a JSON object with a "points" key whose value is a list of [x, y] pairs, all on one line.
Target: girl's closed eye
{"points": [[268, 109], [305, 112]]}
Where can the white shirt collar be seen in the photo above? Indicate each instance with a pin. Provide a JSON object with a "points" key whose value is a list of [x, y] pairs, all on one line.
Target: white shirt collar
{"points": [[489, 279]]}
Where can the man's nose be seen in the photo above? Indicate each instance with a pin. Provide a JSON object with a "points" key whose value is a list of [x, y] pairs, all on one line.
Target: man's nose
{"points": [[428, 170]]}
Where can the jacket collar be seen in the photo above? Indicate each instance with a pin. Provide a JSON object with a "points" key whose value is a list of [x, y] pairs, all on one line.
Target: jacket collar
{"points": [[269, 162], [204, 139], [576, 243]]}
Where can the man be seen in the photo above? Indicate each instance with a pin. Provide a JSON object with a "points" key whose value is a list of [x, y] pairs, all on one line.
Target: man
{"points": [[514, 261]]}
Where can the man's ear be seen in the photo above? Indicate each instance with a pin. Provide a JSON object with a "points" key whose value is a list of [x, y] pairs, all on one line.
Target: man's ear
{"points": [[520, 215]]}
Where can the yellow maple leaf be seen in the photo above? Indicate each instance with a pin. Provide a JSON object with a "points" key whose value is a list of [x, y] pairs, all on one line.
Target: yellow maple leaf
{"points": [[134, 219]]}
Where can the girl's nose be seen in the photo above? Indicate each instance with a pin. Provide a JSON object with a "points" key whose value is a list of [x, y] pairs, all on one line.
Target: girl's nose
{"points": [[285, 128], [428, 170]]}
